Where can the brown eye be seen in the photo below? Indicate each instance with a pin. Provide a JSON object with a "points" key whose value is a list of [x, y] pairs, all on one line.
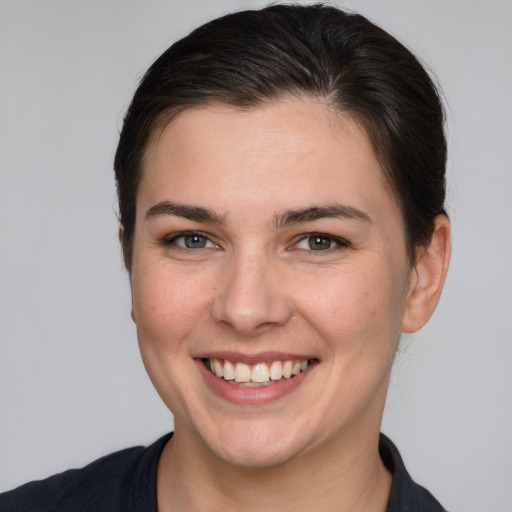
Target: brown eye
{"points": [[319, 242], [191, 240], [194, 241]]}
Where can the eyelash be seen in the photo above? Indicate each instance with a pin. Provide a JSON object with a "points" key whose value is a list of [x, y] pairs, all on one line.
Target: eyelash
{"points": [[184, 234], [335, 243], [339, 243]]}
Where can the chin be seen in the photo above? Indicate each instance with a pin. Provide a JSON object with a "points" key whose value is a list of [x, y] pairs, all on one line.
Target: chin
{"points": [[256, 445]]}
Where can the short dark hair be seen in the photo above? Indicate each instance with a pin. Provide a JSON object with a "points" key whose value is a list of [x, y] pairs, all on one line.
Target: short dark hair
{"points": [[249, 58]]}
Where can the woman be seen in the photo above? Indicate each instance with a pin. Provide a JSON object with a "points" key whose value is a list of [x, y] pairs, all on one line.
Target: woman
{"points": [[281, 188]]}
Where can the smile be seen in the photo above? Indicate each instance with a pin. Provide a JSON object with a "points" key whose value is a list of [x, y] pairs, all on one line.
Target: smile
{"points": [[257, 375]]}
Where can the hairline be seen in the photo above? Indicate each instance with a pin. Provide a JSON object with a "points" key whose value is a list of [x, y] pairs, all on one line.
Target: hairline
{"points": [[167, 116]]}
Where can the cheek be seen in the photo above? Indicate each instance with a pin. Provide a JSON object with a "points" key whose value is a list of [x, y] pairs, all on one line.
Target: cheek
{"points": [[354, 307], [168, 305], [168, 310]]}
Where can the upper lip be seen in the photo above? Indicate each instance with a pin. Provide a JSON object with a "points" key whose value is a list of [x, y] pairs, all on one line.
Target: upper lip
{"points": [[259, 357]]}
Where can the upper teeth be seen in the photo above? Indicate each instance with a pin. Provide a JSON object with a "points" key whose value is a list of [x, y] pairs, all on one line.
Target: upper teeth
{"points": [[260, 372]]}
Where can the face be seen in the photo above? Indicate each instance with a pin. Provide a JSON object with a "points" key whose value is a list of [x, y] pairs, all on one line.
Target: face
{"points": [[269, 279]]}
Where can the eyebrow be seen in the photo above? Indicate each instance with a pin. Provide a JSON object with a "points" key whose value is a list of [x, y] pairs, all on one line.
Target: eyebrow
{"points": [[311, 213], [285, 218], [186, 211]]}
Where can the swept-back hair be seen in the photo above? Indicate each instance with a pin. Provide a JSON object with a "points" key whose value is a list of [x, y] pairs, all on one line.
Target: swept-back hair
{"points": [[250, 58]]}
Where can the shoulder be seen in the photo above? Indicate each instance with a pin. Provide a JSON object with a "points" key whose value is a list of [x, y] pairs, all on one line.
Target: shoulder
{"points": [[406, 495], [124, 480]]}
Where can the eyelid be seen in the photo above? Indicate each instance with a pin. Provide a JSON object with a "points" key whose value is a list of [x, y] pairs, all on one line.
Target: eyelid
{"points": [[170, 240], [340, 243]]}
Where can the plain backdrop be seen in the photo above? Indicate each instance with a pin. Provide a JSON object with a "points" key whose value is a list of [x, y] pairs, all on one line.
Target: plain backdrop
{"points": [[72, 386]]}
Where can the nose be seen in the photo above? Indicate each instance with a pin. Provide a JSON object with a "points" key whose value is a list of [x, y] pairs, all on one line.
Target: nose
{"points": [[252, 296]]}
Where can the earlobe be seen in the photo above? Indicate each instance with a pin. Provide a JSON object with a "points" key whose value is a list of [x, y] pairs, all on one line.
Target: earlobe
{"points": [[428, 277]]}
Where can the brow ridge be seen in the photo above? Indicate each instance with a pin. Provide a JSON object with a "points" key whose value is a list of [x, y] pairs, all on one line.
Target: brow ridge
{"points": [[187, 211], [312, 213], [287, 217]]}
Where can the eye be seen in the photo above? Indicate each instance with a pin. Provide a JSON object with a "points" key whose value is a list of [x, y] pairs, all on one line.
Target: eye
{"points": [[192, 240], [320, 242]]}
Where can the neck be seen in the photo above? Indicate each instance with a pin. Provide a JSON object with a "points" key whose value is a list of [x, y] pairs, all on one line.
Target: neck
{"points": [[347, 477]]}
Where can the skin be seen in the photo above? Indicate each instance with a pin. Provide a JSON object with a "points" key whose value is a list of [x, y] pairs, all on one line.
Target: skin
{"points": [[257, 286]]}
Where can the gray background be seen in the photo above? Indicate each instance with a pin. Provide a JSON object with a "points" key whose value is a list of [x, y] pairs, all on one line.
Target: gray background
{"points": [[72, 386]]}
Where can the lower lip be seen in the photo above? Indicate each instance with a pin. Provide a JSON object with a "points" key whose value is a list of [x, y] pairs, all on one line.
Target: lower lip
{"points": [[252, 395]]}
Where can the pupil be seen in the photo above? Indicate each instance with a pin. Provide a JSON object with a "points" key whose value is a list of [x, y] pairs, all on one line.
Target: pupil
{"points": [[195, 241], [318, 243]]}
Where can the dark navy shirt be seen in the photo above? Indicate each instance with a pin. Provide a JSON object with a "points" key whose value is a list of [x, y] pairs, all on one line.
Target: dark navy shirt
{"points": [[125, 481]]}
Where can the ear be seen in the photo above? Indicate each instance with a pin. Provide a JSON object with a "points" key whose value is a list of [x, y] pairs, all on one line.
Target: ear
{"points": [[428, 277]]}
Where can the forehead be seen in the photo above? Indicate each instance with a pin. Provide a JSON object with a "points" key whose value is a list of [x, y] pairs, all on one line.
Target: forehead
{"points": [[294, 150]]}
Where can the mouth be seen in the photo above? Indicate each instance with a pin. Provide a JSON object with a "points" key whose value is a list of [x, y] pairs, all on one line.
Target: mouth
{"points": [[261, 374]]}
